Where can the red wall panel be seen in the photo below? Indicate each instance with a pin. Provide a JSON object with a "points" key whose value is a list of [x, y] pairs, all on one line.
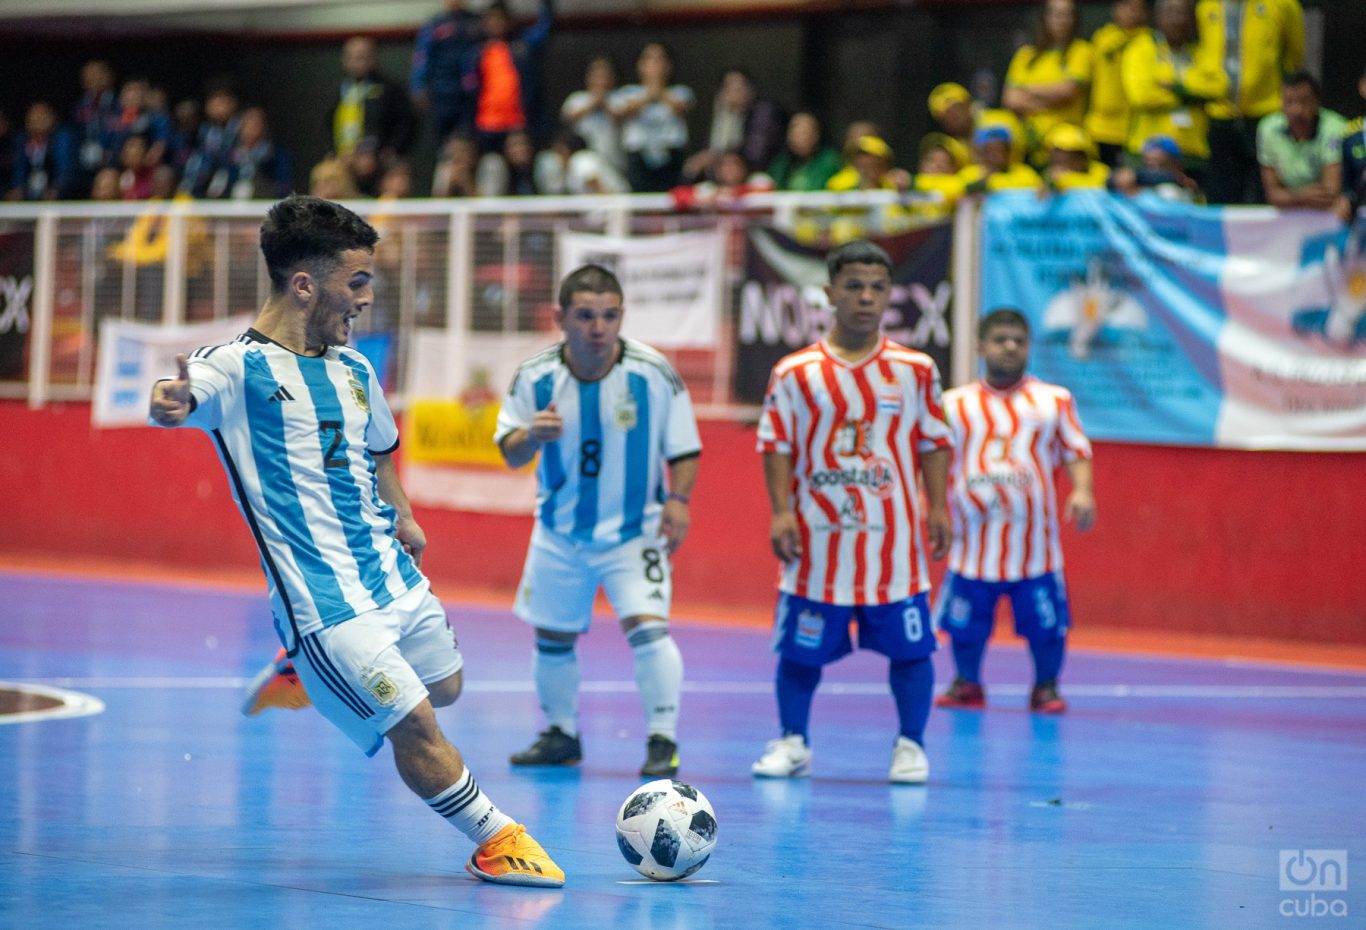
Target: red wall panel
{"points": [[1200, 540]]}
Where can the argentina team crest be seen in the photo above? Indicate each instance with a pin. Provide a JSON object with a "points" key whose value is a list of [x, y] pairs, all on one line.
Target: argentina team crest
{"points": [[358, 392], [382, 688], [624, 415]]}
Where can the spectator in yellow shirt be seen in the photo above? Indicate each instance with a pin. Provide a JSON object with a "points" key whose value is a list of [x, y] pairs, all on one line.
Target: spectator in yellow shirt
{"points": [[1107, 118], [951, 107], [1169, 76], [1258, 42], [994, 167], [1047, 81], [937, 176], [1071, 160]]}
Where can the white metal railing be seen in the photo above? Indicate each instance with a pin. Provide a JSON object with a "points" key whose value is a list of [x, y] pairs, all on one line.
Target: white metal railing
{"points": [[463, 265]]}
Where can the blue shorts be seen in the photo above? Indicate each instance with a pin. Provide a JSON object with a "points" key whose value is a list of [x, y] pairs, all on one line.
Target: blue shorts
{"points": [[966, 607], [815, 633]]}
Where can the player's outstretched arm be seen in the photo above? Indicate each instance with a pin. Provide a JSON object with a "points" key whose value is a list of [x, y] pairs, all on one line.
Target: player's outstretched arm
{"points": [[170, 403], [521, 445], [406, 530], [783, 533], [934, 468], [1081, 503]]}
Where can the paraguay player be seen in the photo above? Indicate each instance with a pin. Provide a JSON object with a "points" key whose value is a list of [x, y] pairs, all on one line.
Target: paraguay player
{"points": [[847, 423], [306, 437], [609, 416], [1011, 432]]}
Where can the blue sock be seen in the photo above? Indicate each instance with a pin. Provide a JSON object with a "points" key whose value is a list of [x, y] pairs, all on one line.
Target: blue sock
{"points": [[912, 682], [968, 657], [796, 685], [1048, 654]]}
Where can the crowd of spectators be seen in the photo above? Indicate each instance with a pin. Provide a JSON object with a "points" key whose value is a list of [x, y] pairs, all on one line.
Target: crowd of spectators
{"points": [[1194, 99]]}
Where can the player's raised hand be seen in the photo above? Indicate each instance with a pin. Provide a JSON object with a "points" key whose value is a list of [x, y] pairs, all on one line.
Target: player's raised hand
{"points": [[1080, 509], [785, 536], [547, 425], [171, 397]]}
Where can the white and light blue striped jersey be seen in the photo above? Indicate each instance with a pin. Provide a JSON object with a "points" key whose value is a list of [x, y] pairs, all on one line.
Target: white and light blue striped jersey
{"points": [[295, 434], [603, 480]]}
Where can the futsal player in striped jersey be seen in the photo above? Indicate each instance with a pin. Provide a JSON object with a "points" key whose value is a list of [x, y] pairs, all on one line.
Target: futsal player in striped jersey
{"points": [[847, 425], [610, 419], [1011, 433], [306, 437]]}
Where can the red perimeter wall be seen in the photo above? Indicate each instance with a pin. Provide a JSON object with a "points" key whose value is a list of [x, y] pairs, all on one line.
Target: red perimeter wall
{"points": [[1210, 541]]}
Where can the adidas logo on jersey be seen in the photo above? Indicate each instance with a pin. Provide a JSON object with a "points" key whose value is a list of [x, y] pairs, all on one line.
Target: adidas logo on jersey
{"points": [[282, 395], [656, 595]]}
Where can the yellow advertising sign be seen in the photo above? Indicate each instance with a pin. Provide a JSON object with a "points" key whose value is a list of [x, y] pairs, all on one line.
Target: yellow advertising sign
{"points": [[452, 432]]}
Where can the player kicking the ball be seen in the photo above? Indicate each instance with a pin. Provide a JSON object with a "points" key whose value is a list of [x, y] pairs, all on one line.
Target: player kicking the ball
{"points": [[609, 416], [306, 437], [847, 423]]}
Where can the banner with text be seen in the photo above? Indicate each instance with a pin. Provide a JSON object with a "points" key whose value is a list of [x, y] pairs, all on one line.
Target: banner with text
{"points": [[134, 356], [16, 291], [672, 283], [782, 306], [1190, 325]]}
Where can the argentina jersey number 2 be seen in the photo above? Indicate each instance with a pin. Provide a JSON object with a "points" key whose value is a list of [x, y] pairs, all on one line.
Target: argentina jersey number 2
{"points": [[331, 430]]}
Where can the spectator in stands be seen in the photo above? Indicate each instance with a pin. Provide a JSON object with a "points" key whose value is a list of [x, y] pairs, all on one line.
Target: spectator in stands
{"points": [[1107, 116], [439, 82], [370, 109], [1072, 163], [105, 187], [1300, 148], [7, 146], [135, 174], [135, 118], [511, 173], [261, 170], [588, 111], [45, 158], [730, 181], [97, 106], [1256, 43], [330, 179], [994, 167], [1169, 74], [871, 159], [654, 133], [1047, 81], [741, 121], [208, 171], [185, 122], [456, 168], [1160, 171], [847, 178], [1353, 163], [508, 76], [951, 106], [805, 163], [569, 166], [937, 176]]}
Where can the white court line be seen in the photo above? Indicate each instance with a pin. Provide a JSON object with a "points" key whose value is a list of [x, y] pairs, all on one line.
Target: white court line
{"points": [[74, 704], [853, 689]]}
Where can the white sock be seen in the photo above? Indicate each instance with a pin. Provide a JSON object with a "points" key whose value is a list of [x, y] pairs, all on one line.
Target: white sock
{"points": [[556, 669], [469, 810], [659, 675]]}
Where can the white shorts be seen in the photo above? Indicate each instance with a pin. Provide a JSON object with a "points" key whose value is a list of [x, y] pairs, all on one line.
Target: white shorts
{"points": [[368, 673], [562, 576]]}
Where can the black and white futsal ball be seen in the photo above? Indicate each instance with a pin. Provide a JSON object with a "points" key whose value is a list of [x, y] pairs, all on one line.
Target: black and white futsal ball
{"points": [[666, 829]]}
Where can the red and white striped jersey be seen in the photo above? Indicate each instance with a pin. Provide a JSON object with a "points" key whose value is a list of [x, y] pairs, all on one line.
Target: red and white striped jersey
{"points": [[1006, 447], [855, 433]]}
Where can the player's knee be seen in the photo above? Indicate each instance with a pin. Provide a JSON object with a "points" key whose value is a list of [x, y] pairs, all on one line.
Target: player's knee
{"points": [[555, 646], [444, 693], [641, 633], [416, 728]]}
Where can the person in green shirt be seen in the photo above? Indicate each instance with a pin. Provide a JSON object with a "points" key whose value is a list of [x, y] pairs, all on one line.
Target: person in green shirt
{"points": [[1299, 148], [804, 164]]}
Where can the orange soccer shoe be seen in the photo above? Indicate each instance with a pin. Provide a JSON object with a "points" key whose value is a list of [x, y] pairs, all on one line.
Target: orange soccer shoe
{"points": [[276, 685], [512, 857]]}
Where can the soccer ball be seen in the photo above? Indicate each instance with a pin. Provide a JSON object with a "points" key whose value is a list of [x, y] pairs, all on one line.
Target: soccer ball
{"points": [[666, 829]]}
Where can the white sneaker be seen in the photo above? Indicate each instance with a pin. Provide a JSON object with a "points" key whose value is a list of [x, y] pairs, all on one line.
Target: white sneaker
{"points": [[787, 757], [910, 766]]}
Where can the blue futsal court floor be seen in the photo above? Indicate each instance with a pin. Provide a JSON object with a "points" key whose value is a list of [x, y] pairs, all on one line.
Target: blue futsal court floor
{"points": [[1176, 793]]}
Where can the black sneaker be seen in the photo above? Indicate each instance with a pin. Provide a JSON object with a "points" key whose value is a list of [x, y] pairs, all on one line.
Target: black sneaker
{"points": [[553, 747], [661, 757]]}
